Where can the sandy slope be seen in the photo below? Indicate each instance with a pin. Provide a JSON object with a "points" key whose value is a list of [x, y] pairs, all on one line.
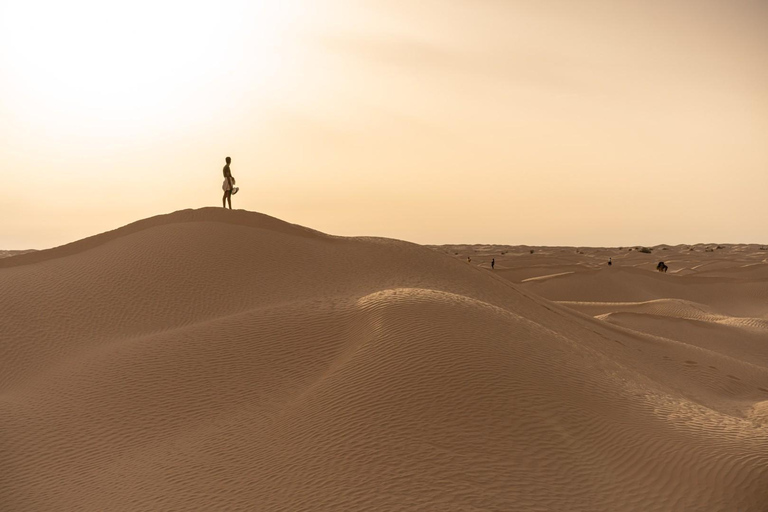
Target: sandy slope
{"points": [[215, 359]]}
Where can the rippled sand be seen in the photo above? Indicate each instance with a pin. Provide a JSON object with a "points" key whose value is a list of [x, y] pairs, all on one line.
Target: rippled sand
{"points": [[226, 360]]}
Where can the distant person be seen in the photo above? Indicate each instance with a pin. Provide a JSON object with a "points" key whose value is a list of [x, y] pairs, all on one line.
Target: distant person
{"points": [[610, 262], [228, 186], [493, 263], [661, 267], [469, 260]]}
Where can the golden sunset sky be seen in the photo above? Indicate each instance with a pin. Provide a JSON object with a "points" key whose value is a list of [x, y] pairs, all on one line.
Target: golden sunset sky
{"points": [[465, 121]]}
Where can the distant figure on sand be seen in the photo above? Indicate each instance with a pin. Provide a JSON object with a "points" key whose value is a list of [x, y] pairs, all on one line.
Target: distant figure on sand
{"points": [[661, 267], [228, 185], [469, 260], [493, 263], [610, 262]]}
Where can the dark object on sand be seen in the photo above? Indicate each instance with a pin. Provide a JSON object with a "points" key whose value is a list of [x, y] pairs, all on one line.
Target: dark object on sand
{"points": [[661, 267]]}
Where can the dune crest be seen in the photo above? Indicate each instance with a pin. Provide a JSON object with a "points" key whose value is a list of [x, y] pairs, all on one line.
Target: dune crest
{"points": [[213, 359]]}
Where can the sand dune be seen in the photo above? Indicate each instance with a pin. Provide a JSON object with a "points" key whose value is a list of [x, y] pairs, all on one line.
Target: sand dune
{"points": [[6, 254], [213, 359], [740, 297]]}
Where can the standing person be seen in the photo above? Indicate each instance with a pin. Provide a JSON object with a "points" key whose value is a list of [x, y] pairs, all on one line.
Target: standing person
{"points": [[493, 263], [228, 185]]}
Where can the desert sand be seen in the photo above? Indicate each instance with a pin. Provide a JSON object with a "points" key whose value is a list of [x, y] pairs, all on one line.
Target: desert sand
{"points": [[226, 360]]}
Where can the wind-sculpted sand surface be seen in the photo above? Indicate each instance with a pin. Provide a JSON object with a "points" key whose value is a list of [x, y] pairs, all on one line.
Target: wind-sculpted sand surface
{"points": [[226, 360]]}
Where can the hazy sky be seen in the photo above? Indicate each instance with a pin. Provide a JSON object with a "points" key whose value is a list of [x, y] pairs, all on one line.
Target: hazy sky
{"points": [[465, 121]]}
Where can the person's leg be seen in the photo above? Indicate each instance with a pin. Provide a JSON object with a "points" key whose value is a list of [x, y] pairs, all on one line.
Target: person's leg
{"points": [[224, 200], [229, 198]]}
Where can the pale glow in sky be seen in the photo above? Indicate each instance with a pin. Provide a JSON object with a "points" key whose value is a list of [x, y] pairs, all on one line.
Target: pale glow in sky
{"points": [[454, 121]]}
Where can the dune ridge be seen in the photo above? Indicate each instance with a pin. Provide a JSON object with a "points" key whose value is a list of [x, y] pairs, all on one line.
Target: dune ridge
{"points": [[213, 359]]}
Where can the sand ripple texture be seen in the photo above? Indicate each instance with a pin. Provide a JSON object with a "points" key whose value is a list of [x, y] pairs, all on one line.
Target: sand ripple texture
{"points": [[226, 360]]}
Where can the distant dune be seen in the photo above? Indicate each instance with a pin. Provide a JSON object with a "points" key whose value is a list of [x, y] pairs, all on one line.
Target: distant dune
{"points": [[6, 254], [226, 360]]}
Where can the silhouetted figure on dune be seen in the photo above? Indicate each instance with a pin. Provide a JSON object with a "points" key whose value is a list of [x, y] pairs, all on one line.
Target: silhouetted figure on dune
{"points": [[493, 263], [610, 262], [661, 267], [228, 186]]}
